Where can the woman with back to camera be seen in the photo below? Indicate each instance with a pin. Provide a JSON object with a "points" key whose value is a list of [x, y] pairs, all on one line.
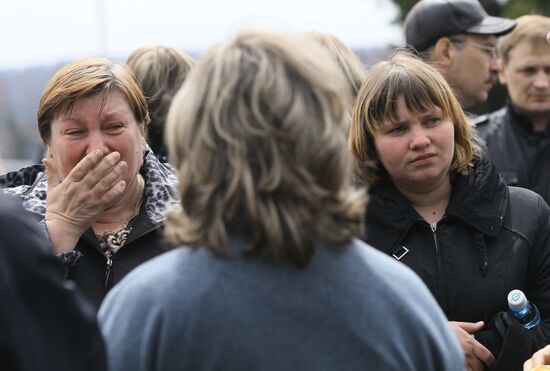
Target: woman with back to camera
{"points": [[102, 193], [438, 206], [269, 275], [160, 71]]}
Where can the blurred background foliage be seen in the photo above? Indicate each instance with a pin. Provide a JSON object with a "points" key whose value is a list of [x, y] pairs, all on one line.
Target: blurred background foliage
{"points": [[500, 8]]}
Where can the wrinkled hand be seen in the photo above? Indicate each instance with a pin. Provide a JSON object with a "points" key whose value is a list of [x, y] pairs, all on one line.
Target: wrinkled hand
{"points": [[538, 360], [477, 356], [73, 205]]}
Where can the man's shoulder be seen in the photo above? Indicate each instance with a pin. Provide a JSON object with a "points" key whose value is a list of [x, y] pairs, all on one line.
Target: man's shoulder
{"points": [[492, 118], [489, 124]]}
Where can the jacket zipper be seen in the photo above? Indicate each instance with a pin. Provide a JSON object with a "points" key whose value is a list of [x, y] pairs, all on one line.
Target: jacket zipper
{"points": [[433, 227], [108, 270], [109, 262]]}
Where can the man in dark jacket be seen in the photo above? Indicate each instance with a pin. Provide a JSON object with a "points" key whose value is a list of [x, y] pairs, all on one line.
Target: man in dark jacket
{"points": [[518, 135], [45, 324], [459, 38]]}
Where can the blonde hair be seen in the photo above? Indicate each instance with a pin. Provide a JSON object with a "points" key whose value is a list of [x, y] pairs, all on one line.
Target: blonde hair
{"points": [[347, 60], [422, 87], [530, 28], [258, 136], [160, 72], [82, 79]]}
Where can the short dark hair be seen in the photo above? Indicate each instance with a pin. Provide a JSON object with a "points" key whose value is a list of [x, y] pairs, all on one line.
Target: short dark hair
{"points": [[85, 78]]}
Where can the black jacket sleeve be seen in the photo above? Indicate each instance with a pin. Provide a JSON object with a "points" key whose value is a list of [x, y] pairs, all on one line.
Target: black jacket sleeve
{"points": [[503, 336], [539, 267], [46, 324]]}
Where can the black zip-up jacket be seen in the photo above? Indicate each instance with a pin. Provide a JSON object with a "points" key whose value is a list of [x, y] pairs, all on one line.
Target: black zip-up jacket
{"points": [[492, 239], [95, 273], [521, 155]]}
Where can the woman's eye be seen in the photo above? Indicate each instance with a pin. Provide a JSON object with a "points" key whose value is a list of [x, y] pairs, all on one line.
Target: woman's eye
{"points": [[115, 126], [73, 132], [433, 120], [397, 130]]}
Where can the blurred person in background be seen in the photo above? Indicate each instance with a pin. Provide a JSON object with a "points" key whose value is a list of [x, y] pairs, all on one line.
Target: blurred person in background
{"points": [[459, 38], [269, 275], [160, 71], [46, 324], [439, 207], [517, 136], [102, 193], [348, 61]]}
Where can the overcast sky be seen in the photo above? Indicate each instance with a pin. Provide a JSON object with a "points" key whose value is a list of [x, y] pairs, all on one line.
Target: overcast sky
{"points": [[42, 32]]}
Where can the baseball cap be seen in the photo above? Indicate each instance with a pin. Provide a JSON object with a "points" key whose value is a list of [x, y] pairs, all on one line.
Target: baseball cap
{"points": [[430, 20]]}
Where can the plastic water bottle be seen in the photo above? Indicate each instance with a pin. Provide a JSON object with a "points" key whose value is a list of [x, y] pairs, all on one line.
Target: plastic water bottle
{"points": [[525, 312]]}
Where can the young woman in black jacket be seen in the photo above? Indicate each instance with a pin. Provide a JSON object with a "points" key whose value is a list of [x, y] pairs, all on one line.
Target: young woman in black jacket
{"points": [[438, 206]]}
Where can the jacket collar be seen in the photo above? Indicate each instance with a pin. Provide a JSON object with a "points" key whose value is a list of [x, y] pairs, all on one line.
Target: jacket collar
{"points": [[24, 176], [31, 184], [389, 217], [478, 199], [522, 122]]}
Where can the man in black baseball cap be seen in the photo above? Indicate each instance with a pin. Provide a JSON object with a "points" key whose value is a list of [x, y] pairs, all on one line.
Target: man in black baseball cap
{"points": [[459, 38]]}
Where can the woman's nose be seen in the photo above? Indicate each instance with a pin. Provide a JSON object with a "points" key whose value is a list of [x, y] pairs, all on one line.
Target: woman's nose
{"points": [[96, 141], [419, 139]]}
